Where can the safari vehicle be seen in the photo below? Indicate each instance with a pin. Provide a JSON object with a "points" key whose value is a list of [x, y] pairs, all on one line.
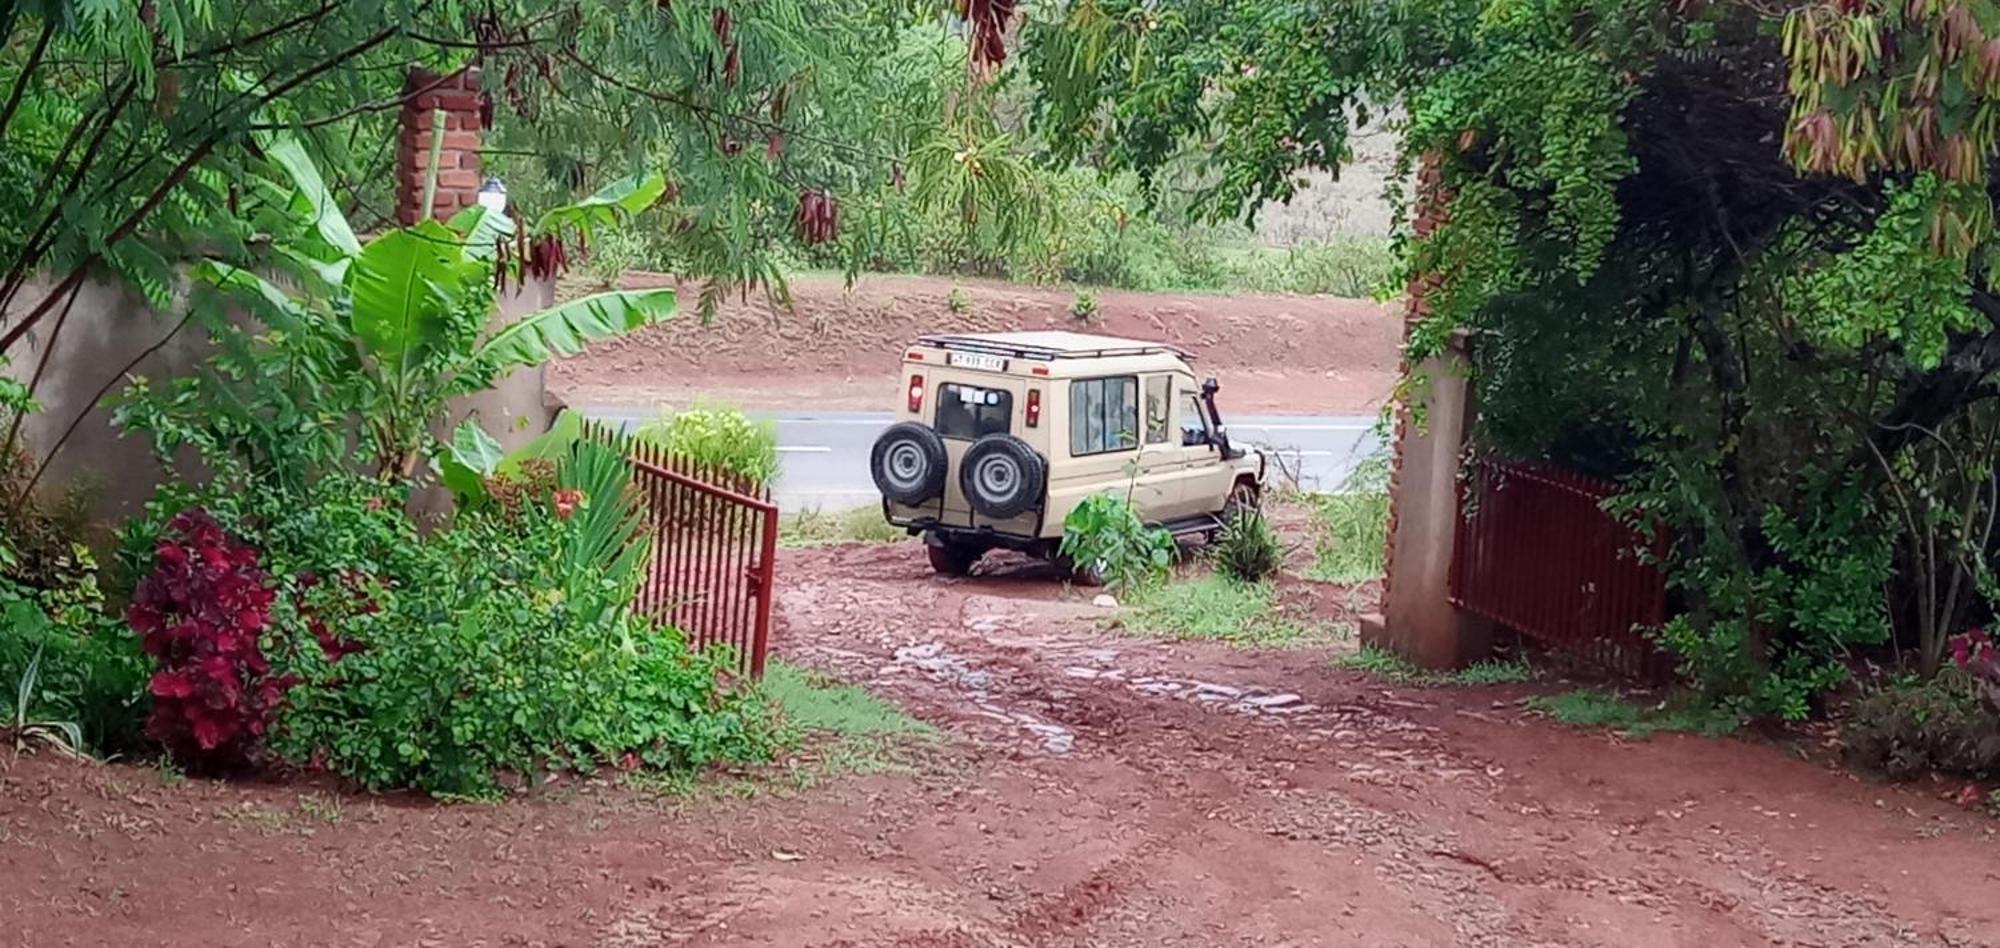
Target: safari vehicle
{"points": [[1001, 435]]}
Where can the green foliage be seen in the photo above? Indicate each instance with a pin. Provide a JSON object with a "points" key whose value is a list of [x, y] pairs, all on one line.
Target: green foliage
{"points": [[1104, 536], [814, 527], [1776, 637], [1595, 708], [958, 302], [1221, 609], [71, 667], [1351, 527], [1786, 370], [475, 656], [1248, 548], [813, 705], [1396, 669], [1083, 307], [1893, 285], [1909, 727], [719, 438], [402, 332]]}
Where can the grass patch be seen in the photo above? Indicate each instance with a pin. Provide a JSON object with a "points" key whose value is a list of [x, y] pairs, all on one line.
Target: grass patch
{"points": [[819, 528], [1351, 528], [1219, 609], [826, 730], [1597, 708], [1396, 669]]}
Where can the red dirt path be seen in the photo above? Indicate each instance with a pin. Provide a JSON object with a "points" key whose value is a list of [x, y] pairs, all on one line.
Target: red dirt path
{"points": [[839, 349], [1096, 790]]}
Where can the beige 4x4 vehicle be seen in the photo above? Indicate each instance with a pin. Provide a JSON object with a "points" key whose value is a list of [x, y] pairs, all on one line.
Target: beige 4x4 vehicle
{"points": [[1002, 434]]}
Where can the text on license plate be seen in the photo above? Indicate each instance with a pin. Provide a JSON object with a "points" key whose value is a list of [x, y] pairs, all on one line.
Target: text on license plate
{"points": [[974, 360]]}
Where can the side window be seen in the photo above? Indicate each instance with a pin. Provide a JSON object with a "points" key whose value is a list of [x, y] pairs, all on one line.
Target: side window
{"points": [[1158, 400], [1103, 415], [967, 413], [1194, 421]]}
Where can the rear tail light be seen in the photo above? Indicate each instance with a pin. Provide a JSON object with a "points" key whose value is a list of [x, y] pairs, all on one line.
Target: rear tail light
{"points": [[1034, 407], [916, 394]]}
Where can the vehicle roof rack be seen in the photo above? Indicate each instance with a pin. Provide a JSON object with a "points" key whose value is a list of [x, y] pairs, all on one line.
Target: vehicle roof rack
{"points": [[1074, 346]]}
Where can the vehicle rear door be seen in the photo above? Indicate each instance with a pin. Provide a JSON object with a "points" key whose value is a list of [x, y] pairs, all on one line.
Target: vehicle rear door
{"points": [[967, 410]]}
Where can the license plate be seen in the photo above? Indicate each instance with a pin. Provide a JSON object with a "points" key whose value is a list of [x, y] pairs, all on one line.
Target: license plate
{"points": [[974, 360]]}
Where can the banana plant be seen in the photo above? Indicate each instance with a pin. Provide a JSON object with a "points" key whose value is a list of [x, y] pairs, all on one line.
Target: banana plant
{"points": [[413, 306]]}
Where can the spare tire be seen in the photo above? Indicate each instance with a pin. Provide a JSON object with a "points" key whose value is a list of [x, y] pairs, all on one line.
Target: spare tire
{"points": [[908, 463], [1002, 477]]}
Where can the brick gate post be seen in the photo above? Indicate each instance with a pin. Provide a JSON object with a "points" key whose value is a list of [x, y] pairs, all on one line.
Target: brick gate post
{"points": [[1418, 620]]}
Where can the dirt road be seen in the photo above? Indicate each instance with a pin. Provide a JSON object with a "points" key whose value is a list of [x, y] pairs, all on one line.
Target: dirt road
{"points": [[1094, 790]]}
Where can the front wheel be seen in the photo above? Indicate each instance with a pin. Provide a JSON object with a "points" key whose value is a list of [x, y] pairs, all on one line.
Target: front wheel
{"points": [[1244, 498], [952, 559]]}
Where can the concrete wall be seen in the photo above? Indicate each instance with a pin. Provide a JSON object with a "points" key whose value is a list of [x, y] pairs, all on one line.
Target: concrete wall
{"points": [[107, 328]]}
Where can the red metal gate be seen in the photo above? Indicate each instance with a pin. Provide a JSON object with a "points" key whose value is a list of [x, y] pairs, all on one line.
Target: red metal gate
{"points": [[1536, 552], [714, 544]]}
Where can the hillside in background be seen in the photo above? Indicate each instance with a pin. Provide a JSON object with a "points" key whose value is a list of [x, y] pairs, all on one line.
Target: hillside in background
{"points": [[840, 348]]}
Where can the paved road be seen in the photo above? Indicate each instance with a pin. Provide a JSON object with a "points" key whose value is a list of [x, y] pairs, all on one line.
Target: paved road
{"points": [[823, 456]]}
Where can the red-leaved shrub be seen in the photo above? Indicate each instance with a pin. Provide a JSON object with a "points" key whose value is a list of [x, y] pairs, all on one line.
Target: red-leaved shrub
{"points": [[200, 614]]}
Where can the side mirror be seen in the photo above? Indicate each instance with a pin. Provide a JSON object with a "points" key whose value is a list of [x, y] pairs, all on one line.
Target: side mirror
{"points": [[1193, 436]]}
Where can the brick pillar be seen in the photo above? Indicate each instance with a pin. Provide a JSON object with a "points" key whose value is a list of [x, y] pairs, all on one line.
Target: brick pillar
{"points": [[459, 97], [1418, 620], [1430, 212]]}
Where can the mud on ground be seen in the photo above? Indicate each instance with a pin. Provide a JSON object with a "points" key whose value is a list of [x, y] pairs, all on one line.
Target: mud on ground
{"points": [[1093, 789]]}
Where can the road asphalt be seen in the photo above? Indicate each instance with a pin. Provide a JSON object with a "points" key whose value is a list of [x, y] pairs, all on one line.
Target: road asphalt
{"points": [[823, 455]]}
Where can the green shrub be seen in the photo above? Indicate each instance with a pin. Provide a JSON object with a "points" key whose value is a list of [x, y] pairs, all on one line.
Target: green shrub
{"points": [[89, 672], [1910, 728], [1105, 537], [1248, 549], [719, 438], [501, 642], [1083, 307], [618, 251], [483, 651]]}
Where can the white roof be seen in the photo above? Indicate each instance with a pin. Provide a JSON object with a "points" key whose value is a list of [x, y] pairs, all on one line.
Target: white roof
{"points": [[1058, 342]]}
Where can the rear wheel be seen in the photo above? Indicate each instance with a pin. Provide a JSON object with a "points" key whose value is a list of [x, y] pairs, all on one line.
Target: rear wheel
{"points": [[1002, 477], [1090, 576], [908, 464], [952, 559]]}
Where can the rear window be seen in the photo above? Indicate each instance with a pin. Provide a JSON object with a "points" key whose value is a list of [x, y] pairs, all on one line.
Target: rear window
{"points": [[967, 412]]}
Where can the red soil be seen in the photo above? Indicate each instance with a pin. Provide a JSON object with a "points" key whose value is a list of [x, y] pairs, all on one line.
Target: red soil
{"points": [[839, 348], [1093, 790]]}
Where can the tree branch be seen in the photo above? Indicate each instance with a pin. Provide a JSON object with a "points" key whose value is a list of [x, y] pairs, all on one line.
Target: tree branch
{"points": [[180, 171], [27, 75]]}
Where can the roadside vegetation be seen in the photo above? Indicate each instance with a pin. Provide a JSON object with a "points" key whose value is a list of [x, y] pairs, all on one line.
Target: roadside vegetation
{"points": [[1218, 608], [1395, 669], [814, 527], [719, 439], [1602, 709], [822, 730]]}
